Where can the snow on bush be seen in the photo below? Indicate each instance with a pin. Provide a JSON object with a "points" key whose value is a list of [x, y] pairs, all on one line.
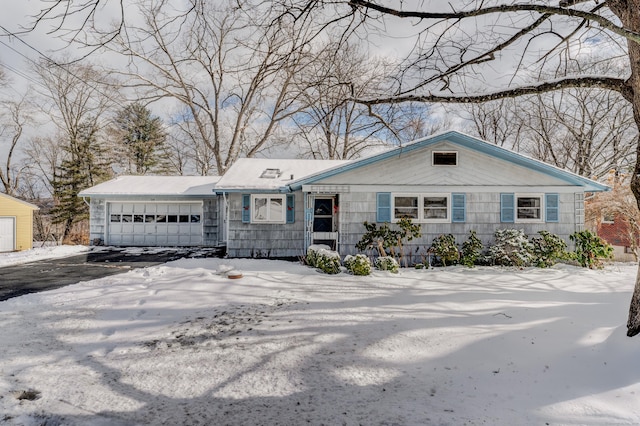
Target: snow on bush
{"points": [[387, 263], [358, 264], [548, 249], [322, 257], [511, 248]]}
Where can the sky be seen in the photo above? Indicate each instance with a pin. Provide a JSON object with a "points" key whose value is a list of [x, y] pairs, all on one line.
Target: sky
{"points": [[181, 343]]}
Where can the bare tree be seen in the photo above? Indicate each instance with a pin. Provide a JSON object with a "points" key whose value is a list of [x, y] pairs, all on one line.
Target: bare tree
{"points": [[588, 131], [331, 125], [494, 121], [232, 73], [77, 104], [15, 115]]}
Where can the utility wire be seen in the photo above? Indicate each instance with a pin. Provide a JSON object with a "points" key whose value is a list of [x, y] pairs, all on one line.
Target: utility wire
{"points": [[51, 62]]}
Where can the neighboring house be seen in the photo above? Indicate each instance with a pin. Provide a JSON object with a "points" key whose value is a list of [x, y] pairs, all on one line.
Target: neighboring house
{"points": [[448, 183], [615, 229], [16, 224], [154, 211]]}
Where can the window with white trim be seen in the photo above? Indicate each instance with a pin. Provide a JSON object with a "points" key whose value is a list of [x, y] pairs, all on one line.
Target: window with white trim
{"points": [[422, 207], [268, 208], [529, 207]]}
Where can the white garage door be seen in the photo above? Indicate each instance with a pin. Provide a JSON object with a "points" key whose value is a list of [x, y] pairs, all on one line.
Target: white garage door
{"points": [[7, 234], [154, 224]]}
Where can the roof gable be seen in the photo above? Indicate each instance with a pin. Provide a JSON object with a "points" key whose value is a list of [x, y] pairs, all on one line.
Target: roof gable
{"points": [[544, 170]]}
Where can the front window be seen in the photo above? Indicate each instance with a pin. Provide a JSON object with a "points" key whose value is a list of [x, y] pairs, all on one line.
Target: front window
{"points": [[421, 207], [435, 207], [405, 207], [268, 209], [529, 208]]}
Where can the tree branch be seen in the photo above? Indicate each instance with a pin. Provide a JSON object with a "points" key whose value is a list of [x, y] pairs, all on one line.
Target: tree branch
{"points": [[538, 8], [616, 84]]}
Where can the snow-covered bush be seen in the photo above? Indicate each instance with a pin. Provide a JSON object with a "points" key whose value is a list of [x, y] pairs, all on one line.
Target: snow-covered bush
{"points": [[387, 263], [445, 248], [511, 248], [548, 248], [471, 250], [358, 264], [322, 257]]}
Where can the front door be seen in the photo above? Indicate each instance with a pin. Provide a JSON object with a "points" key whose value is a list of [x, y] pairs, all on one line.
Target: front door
{"points": [[324, 227]]}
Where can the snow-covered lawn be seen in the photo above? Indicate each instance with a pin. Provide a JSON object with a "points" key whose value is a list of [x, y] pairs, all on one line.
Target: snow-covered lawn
{"points": [[285, 345]]}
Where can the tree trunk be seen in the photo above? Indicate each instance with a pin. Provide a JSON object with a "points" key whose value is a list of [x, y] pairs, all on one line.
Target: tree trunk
{"points": [[629, 13]]}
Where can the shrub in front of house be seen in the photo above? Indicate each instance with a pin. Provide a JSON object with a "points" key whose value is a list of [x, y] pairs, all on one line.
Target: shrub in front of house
{"points": [[323, 258], [591, 250], [445, 248], [471, 250], [387, 263], [548, 248], [358, 264], [511, 247]]}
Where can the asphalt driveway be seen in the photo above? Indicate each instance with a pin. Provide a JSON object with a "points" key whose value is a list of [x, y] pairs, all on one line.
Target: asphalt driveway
{"points": [[49, 274]]}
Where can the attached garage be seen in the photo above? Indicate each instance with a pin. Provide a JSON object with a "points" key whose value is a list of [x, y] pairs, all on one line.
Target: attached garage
{"points": [[155, 211], [16, 224], [154, 224]]}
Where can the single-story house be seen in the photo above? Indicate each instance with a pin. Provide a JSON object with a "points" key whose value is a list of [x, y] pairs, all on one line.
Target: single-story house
{"points": [[16, 224], [447, 183]]}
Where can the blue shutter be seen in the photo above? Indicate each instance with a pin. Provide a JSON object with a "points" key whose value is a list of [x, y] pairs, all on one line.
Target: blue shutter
{"points": [[507, 208], [246, 208], [458, 208], [552, 206], [383, 200], [291, 208]]}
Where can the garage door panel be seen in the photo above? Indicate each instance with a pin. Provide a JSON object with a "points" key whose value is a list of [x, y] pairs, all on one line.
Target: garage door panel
{"points": [[155, 224]]}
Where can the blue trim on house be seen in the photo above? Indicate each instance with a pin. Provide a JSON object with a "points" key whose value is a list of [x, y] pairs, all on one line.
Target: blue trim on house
{"points": [[467, 142], [281, 190]]}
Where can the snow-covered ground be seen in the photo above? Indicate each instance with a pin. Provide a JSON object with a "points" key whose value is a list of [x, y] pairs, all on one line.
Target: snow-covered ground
{"points": [[285, 345]]}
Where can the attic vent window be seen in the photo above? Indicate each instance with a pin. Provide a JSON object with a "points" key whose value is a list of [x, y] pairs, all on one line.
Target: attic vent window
{"points": [[271, 173], [442, 158]]}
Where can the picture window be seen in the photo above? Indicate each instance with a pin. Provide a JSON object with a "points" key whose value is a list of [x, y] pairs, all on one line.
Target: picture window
{"points": [[268, 209], [422, 207]]}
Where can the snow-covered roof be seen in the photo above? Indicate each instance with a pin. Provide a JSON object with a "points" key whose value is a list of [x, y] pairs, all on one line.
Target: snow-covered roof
{"points": [[271, 174], [19, 201], [154, 185], [464, 140]]}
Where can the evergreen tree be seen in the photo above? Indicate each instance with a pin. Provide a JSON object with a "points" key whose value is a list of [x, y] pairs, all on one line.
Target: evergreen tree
{"points": [[143, 138], [83, 167]]}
